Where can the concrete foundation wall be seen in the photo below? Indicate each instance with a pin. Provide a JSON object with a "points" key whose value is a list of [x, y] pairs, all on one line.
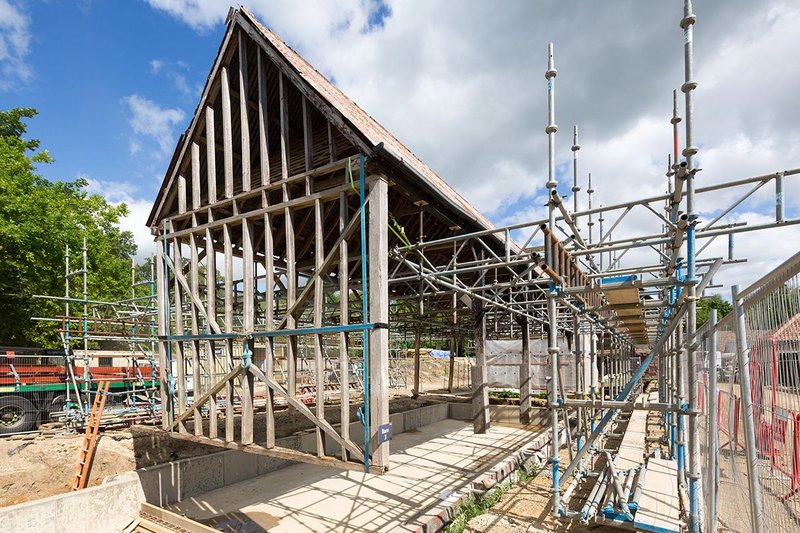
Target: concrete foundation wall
{"points": [[500, 413], [107, 507]]}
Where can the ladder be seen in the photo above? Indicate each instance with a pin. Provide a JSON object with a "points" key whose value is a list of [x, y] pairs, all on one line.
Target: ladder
{"points": [[90, 438]]}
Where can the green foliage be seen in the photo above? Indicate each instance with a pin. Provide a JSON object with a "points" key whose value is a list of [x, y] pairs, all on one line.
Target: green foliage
{"points": [[38, 218], [472, 507], [705, 305]]}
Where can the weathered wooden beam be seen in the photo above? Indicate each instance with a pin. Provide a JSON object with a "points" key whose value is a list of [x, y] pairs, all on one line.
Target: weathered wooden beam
{"points": [[263, 120], [480, 389], [227, 133], [181, 194], [211, 317], [195, 289], [525, 384], [161, 299], [249, 315], [195, 176], [344, 310], [378, 243], [226, 232], [211, 157], [319, 365], [244, 123], [269, 289], [180, 355]]}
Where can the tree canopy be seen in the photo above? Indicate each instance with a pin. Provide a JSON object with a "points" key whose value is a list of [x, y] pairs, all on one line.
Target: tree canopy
{"points": [[705, 305], [38, 218]]}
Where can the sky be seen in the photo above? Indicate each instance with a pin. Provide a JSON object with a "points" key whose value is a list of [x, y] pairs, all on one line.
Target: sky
{"points": [[460, 82]]}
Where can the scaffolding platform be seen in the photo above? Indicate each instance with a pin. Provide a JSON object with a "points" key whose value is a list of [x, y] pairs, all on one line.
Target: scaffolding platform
{"points": [[659, 506]]}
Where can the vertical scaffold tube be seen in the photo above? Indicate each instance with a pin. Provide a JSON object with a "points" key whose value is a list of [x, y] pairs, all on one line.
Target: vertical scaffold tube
{"points": [[689, 152], [552, 310], [743, 362]]}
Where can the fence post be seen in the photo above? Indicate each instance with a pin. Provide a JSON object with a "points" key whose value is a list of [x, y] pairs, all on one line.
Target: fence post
{"points": [[743, 358]]}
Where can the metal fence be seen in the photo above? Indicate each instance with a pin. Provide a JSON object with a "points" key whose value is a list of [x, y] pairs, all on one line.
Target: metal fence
{"points": [[749, 399]]}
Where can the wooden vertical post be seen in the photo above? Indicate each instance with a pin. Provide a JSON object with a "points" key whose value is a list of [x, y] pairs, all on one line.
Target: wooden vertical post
{"points": [[181, 194], [247, 381], [263, 121], [179, 355], [228, 245], [227, 133], [162, 301], [244, 124], [344, 318], [211, 157], [211, 311], [417, 362], [480, 389], [195, 176], [269, 312], [379, 313], [319, 374], [525, 389], [195, 286]]}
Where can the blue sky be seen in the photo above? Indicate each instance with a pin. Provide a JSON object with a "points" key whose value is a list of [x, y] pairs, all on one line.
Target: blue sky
{"points": [[86, 60], [460, 82]]}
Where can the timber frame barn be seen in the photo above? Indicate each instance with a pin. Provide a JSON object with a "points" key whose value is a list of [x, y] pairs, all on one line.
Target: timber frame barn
{"points": [[288, 216]]}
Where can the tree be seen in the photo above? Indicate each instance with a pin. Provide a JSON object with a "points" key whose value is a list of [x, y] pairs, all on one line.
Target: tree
{"points": [[705, 305], [38, 218]]}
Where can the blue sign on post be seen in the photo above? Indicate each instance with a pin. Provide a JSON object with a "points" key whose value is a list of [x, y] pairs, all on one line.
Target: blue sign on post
{"points": [[384, 433]]}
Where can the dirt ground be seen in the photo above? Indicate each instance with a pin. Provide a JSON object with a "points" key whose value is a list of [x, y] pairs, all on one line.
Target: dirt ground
{"points": [[37, 466]]}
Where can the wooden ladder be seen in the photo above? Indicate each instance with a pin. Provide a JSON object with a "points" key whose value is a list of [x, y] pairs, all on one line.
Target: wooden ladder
{"points": [[90, 438]]}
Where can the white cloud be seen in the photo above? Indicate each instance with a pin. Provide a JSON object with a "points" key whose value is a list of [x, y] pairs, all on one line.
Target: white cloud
{"points": [[461, 83], [138, 211], [14, 45], [149, 119], [156, 66]]}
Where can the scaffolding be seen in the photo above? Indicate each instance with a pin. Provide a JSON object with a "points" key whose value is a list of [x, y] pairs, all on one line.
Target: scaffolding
{"points": [[111, 341]]}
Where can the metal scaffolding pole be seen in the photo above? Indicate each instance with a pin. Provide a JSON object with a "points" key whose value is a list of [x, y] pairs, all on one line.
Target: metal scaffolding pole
{"points": [[743, 362], [552, 309]]}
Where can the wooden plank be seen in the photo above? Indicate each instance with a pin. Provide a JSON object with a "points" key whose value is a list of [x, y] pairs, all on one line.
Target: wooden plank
{"points": [[195, 176], [263, 120], [161, 299], [227, 135], [319, 363], [181, 194], [659, 506], [211, 316], [248, 323], [211, 157], [228, 246], [344, 319], [269, 364], [195, 289], [284, 129], [243, 121], [180, 356], [378, 244]]}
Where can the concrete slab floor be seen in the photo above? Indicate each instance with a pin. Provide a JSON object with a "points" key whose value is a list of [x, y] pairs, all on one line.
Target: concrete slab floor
{"points": [[426, 463]]}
